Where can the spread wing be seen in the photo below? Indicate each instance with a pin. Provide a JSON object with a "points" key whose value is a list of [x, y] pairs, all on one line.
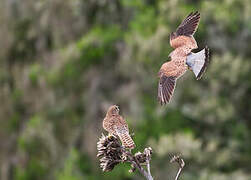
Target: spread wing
{"points": [[166, 88], [189, 25], [183, 36]]}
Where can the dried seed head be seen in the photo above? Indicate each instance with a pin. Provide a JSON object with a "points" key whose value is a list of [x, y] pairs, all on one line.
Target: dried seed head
{"points": [[178, 159], [142, 157], [109, 152]]}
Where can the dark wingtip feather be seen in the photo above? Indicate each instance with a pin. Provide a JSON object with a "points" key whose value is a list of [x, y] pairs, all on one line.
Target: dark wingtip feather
{"points": [[189, 24], [203, 69], [165, 89]]}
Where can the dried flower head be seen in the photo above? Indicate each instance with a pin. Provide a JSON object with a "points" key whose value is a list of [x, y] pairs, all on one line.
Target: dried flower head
{"points": [[178, 159], [142, 158], [110, 152]]}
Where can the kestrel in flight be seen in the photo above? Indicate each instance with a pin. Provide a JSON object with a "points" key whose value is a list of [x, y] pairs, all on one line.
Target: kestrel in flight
{"points": [[116, 125], [182, 58]]}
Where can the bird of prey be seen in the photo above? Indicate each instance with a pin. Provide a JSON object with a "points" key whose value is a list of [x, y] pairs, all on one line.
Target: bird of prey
{"points": [[116, 125], [182, 58]]}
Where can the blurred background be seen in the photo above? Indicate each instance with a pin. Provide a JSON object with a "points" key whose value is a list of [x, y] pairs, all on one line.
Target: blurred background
{"points": [[62, 63]]}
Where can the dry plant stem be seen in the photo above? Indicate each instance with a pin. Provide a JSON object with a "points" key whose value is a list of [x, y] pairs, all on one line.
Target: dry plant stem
{"points": [[178, 173], [148, 170], [181, 163], [135, 162]]}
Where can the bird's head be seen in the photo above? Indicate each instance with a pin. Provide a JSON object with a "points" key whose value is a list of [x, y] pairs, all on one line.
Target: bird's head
{"points": [[113, 110]]}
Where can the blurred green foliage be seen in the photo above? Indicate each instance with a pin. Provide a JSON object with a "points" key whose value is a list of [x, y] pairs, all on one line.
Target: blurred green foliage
{"points": [[62, 63]]}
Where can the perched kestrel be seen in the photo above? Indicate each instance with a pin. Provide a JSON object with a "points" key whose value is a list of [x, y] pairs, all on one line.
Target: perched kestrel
{"points": [[116, 125], [182, 58]]}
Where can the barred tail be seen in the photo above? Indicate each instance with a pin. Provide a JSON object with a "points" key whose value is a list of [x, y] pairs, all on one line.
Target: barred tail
{"points": [[126, 140]]}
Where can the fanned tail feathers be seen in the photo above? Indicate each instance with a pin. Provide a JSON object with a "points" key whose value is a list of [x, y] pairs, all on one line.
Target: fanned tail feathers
{"points": [[198, 62], [203, 69]]}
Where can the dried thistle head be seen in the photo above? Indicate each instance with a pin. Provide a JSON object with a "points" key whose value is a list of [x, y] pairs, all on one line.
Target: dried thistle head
{"points": [[178, 159], [142, 158], [109, 151]]}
